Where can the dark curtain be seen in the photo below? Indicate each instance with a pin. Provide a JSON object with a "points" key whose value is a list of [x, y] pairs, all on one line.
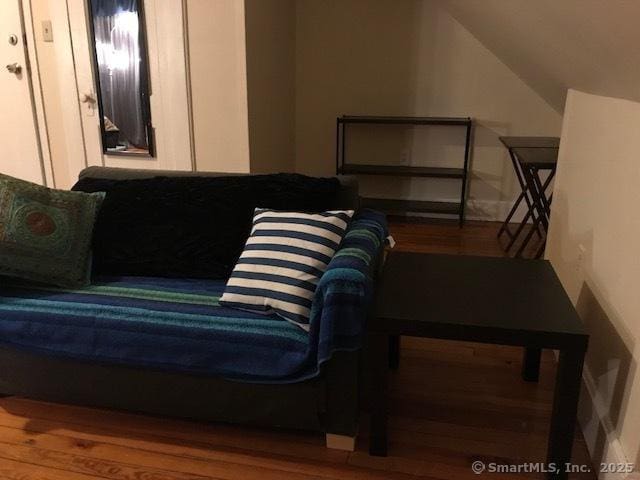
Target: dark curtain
{"points": [[117, 31]]}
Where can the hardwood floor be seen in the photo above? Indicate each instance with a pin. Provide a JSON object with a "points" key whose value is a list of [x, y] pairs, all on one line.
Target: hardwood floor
{"points": [[451, 404]]}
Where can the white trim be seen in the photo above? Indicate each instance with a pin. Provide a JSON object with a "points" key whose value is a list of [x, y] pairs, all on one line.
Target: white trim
{"points": [[187, 72], [78, 110], [484, 210], [169, 98], [88, 126], [36, 91], [598, 422], [493, 210]]}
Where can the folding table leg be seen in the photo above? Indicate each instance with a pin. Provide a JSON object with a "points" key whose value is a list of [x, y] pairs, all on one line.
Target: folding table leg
{"points": [[520, 228], [543, 205], [541, 250], [544, 202], [504, 228], [523, 196], [534, 227], [540, 205]]}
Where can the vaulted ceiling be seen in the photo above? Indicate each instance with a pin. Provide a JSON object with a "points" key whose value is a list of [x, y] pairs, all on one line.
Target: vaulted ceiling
{"points": [[553, 45]]}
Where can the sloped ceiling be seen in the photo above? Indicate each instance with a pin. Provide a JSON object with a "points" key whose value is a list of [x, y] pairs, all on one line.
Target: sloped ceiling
{"points": [[553, 45]]}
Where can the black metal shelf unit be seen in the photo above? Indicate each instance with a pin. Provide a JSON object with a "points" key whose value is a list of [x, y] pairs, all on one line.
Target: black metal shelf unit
{"points": [[394, 206]]}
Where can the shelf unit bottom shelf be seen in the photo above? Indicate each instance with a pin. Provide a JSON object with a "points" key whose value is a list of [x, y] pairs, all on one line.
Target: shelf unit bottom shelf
{"points": [[402, 171], [416, 206]]}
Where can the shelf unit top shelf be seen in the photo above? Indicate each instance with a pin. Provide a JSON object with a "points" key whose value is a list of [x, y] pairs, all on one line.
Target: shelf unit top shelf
{"points": [[463, 121], [530, 142], [402, 170]]}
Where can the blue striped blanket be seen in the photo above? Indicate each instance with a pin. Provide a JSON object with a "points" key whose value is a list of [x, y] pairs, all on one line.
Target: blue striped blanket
{"points": [[178, 324]]}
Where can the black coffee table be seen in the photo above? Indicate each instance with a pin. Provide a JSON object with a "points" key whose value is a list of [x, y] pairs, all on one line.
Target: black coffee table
{"points": [[479, 299]]}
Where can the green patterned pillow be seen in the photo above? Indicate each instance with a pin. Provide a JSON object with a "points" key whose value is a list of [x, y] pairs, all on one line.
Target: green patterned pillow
{"points": [[45, 234]]}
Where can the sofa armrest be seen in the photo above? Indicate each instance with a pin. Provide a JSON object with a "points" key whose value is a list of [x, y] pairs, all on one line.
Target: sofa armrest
{"points": [[345, 291]]}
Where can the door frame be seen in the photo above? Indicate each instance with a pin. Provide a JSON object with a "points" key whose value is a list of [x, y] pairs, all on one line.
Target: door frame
{"points": [[37, 100], [35, 92], [170, 90]]}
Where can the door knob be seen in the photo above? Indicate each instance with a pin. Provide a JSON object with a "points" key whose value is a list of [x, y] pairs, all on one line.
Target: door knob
{"points": [[14, 68], [88, 98]]}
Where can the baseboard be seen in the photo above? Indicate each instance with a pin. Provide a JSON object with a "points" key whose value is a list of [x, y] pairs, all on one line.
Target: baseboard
{"points": [[594, 420], [493, 210]]}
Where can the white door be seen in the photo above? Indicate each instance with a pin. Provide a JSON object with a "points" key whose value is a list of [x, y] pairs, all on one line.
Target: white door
{"points": [[169, 99], [20, 154]]}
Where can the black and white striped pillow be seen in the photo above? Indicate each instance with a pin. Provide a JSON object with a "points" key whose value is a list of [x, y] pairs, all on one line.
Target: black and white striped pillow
{"points": [[283, 259]]}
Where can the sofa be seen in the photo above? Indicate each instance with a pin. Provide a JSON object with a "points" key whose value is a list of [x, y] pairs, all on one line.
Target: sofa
{"points": [[65, 352]]}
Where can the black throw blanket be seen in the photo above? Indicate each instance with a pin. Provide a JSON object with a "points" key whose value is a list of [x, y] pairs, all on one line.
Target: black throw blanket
{"points": [[193, 227]]}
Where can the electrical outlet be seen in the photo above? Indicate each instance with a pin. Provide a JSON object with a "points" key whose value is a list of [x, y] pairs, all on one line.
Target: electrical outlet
{"points": [[47, 31], [405, 157]]}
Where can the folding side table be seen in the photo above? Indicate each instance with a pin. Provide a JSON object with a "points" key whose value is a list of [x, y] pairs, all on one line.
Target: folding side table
{"points": [[532, 161], [512, 143]]}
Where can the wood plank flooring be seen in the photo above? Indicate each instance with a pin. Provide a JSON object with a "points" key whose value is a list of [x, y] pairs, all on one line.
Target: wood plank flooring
{"points": [[451, 404]]}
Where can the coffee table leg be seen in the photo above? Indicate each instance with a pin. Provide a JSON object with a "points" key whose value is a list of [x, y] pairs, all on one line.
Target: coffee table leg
{"points": [[379, 345], [531, 364], [565, 407], [394, 352]]}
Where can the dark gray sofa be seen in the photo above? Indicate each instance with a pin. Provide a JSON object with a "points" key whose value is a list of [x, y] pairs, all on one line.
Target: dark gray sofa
{"points": [[329, 403]]}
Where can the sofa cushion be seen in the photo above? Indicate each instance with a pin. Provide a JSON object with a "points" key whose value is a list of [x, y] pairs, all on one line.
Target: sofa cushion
{"points": [[172, 324], [283, 260], [178, 324], [346, 198], [191, 227], [45, 234]]}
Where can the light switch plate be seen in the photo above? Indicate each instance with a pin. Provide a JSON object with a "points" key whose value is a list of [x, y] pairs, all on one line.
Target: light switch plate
{"points": [[47, 31]]}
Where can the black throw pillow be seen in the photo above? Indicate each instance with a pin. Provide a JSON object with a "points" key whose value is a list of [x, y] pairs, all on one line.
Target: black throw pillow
{"points": [[193, 227]]}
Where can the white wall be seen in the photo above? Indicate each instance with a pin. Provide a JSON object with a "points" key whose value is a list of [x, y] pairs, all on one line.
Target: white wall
{"points": [[308, 62], [219, 85], [589, 45], [55, 64], [409, 58], [270, 34], [596, 198], [19, 135], [42, 142]]}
